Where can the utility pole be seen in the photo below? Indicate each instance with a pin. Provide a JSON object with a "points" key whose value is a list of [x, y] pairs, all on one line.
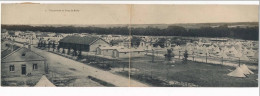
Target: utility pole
{"points": [[193, 55], [179, 54], [222, 60], [152, 55], [239, 62], [206, 57]]}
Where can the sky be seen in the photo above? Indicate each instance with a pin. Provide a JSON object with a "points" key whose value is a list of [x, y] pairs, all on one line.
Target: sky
{"points": [[125, 14]]}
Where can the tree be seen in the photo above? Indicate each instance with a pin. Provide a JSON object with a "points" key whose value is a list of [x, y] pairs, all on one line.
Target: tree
{"points": [[135, 41], [169, 55], [44, 44], [49, 46], [53, 45], [68, 51], [39, 44], [161, 42], [185, 54]]}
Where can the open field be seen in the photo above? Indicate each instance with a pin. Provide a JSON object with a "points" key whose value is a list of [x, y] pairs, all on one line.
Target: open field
{"points": [[201, 74], [174, 74]]}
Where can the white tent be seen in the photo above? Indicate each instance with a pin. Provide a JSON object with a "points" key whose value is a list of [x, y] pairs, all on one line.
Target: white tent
{"points": [[44, 82], [216, 49], [246, 70], [197, 47], [222, 44], [233, 50], [177, 47], [225, 49], [250, 52], [237, 73], [223, 54], [244, 57], [256, 55], [245, 50]]}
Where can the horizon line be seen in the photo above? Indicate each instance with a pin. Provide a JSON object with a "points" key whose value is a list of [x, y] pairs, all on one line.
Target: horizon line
{"points": [[141, 24]]}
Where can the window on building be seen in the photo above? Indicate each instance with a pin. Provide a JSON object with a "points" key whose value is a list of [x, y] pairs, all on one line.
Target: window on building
{"points": [[11, 68], [35, 66], [23, 54]]}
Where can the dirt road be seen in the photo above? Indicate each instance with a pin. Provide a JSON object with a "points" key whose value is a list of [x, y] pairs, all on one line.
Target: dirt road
{"points": [[84, 70]]}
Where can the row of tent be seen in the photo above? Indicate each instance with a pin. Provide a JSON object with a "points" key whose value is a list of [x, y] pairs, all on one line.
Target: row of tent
{"points": [[242, 53]]}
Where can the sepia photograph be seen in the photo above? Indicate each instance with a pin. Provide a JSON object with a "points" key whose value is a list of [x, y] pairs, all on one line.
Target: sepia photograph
{"points": [[129, 45]]}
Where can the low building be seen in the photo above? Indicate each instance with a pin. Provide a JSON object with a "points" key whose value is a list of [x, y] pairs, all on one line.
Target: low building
{"points": [[107, 50], [86, 43], [126, 53], [18, 61]]}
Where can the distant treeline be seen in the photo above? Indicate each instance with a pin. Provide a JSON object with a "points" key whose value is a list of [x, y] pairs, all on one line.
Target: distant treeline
{"points": [[247, 33]]}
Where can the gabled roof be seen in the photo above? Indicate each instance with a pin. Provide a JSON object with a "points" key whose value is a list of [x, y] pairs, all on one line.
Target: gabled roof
{"points": [[8, 51], [16, 55], [88, 40]]}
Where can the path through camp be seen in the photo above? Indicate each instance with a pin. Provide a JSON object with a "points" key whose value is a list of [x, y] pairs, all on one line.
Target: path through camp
{"points": [[86, 70]]}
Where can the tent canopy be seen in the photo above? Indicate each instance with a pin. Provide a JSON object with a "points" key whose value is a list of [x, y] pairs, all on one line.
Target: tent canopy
{"points": [[238, 72], [44, 82]]}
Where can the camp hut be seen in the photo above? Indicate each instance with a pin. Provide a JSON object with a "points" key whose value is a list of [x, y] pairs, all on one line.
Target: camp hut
{"points": [[85, 43], [106, 50], [121, 53], [126, 52], [137, 52]]}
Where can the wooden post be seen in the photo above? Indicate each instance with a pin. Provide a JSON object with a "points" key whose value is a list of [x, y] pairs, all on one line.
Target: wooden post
{"points": [[222, 60], [207, 58], [193, 55], [239, 62], [179, 54], [152, 55]]}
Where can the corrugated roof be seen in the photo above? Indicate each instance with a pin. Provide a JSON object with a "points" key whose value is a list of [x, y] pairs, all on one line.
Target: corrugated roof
{"points": [[79, 40]]}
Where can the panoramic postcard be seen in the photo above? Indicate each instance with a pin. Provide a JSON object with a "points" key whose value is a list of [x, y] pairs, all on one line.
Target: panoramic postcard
{"points": [[128, 45]]}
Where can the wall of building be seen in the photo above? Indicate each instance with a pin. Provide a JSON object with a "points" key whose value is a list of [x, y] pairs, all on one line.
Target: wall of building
{"points": [[5, 70], [99, 51], [137, 54], [107, 52], [124, 55], [96, 44]]}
